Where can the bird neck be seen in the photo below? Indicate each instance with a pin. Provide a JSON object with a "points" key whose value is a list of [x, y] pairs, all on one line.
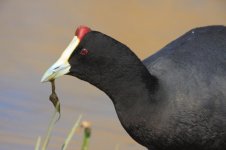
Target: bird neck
{"points": [[130, 87]]}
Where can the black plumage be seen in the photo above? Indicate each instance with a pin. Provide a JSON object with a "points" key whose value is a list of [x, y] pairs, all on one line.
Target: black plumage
{"points": [[174, 99]]}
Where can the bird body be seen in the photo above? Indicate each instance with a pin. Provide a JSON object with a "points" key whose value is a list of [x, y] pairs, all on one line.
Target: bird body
{"points": [[174, 99], [192, 72]]}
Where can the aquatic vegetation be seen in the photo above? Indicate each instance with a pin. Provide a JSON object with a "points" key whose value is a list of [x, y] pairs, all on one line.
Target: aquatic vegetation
{"points": [[42, 143]]}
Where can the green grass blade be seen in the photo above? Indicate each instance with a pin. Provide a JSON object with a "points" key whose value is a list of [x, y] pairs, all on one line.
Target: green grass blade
{"points": [[71, 133], [38, 143], [87, 134], [50, 128], [86, 139], [117, 147]]}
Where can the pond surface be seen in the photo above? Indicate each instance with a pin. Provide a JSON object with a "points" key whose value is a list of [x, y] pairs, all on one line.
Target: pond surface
{"points": [[33, 33]]}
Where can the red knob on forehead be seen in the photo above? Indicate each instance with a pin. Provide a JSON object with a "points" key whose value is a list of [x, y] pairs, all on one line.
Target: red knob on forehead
{"points": [[82, 31]]}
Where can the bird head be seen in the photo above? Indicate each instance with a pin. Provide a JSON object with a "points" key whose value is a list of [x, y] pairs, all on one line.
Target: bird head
{"points": [[94, 57]]}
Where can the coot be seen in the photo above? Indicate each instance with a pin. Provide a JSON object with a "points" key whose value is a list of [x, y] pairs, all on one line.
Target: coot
{"points": [[173, 100]]}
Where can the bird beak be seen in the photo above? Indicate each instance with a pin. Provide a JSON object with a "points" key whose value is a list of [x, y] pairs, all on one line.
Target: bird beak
{"points": [[61, 66]]}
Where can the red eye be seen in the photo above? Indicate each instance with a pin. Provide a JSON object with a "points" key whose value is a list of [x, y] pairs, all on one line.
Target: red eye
{"points": [[84, 52]]}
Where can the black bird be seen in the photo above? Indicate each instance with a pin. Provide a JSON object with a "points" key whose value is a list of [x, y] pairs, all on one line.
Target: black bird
{"points": [[173, 100]]}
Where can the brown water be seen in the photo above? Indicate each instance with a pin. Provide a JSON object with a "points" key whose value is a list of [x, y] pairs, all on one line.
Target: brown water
{"points": [[33, 33]]}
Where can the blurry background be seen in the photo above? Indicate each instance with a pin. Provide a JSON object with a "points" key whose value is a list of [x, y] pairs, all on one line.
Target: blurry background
{"points": [[33, 33]]}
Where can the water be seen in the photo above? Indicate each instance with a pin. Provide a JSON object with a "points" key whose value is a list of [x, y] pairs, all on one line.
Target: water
{"points": [[34, 33]]}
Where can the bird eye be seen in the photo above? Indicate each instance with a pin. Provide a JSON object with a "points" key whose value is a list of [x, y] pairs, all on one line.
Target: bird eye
{"points": [[84, 51]]}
